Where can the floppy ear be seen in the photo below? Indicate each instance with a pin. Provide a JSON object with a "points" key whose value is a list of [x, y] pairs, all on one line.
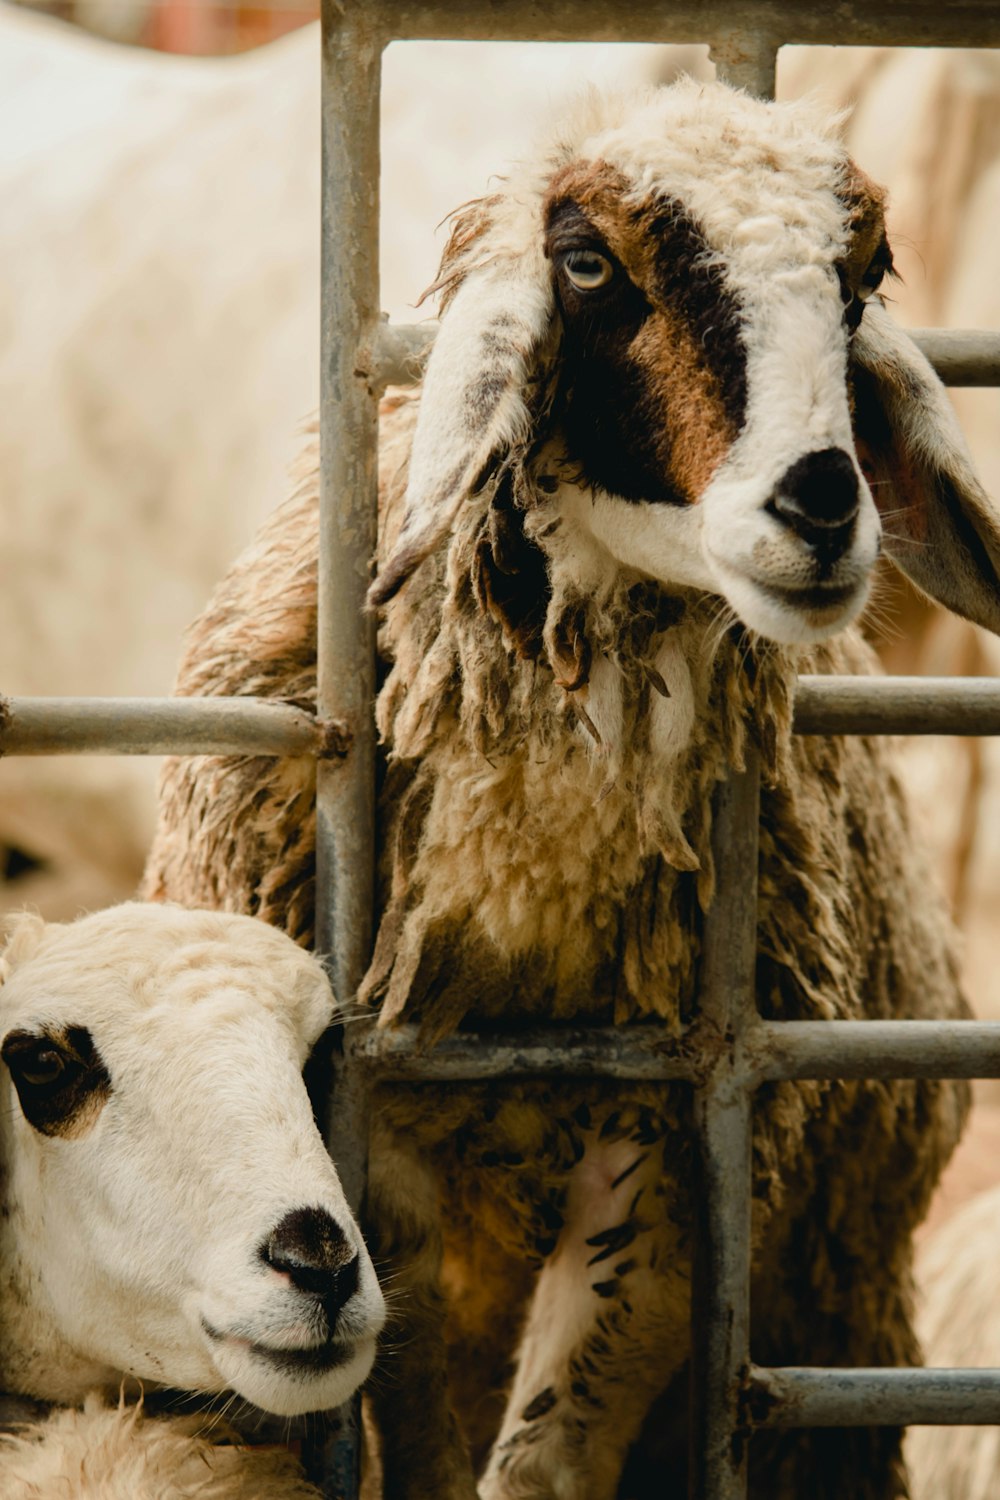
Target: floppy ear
{"points": [[940, 527], [486, 365]]}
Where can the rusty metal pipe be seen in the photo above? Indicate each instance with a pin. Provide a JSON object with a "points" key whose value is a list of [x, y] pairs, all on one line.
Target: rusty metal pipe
{"points": [[817, 1397]]}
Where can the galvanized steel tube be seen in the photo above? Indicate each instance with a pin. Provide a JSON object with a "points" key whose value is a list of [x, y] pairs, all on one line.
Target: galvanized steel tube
{"points": [[875, 1049], [640, 1052], [161, 726], [720, 1310], [961, 356], [771, 1050], [817, 1397], [903, 23], [345, 835], [897, 705], [746, 60], [345, 792], [259, 726]]}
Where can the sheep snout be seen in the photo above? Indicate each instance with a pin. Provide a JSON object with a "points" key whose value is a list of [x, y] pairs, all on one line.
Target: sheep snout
{"points": [[818, 498], [313, 1252]]}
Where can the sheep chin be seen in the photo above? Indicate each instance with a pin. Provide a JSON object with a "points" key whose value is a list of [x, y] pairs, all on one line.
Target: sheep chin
{"points": [[789, 616], [283, 1385]]}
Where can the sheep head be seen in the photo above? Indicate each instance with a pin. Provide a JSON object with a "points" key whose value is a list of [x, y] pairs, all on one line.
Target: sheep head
{"points": [[669, 329], [170, 1210]]}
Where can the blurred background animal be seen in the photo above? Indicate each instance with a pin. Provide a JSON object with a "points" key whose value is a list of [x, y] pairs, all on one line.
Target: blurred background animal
{"points": [[159, 317]]}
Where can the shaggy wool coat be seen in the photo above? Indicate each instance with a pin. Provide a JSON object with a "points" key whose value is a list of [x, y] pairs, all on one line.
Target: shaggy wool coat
{"points": [[530, 870]]}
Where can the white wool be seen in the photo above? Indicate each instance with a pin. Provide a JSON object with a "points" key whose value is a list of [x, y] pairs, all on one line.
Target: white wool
{"points": [[132, 1240], [106, 1453]]}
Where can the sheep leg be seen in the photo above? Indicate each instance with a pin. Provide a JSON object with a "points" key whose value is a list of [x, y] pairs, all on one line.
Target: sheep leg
{"points": [[423, 1455], [606, 1328]]}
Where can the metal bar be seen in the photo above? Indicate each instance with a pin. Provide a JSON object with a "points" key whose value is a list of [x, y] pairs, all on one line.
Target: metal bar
{"points": [[401, 352], [899, 23], [897, 705], [259, 726], [720, 1299], [639, 1052], [345, 792], [746, 60], [816, 1397], [348, 484], [772, 1050], [162, 726], [875, 1049], [961, 356]]}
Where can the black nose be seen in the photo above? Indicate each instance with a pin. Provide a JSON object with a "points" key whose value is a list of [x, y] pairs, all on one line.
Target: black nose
{"points": [[310, 1248], [818, 498]]}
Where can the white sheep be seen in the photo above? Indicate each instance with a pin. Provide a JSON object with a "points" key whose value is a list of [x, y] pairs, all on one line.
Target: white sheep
{"points": [[118, 1453], [170, 1212], [639, 493], [958, 1316], [161, 283]]}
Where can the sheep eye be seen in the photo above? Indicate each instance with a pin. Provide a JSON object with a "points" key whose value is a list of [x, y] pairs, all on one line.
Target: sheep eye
{"points": [[61, 1081], [587, 270], [39, 1066], [870, 283]]}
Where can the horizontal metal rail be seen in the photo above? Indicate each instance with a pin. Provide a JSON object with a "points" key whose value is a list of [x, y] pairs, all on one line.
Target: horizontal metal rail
{"points": [[897, 705], [259, 726], [875, 1049], [165, 726], [961, 356], [773, 1050], [752, 23], [816, 1397]]}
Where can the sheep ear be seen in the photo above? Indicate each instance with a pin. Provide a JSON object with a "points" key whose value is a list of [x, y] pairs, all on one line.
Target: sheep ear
{"points": [[476, 401], [939, 526], [24, 934]]}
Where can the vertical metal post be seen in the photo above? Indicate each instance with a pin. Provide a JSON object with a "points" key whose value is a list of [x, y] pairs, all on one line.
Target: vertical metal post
{"points": [[720, 1308], [747, 60], [345, 792]]}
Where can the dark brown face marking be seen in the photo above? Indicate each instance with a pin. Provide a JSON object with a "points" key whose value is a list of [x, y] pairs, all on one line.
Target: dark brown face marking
{"points": [[60, 1078], [654, 371]]}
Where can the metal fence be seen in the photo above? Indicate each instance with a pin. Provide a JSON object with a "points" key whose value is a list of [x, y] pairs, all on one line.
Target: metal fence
{"points": [[729, 1050]]}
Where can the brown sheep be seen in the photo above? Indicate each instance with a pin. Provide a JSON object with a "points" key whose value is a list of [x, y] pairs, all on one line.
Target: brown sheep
{"points": [[639, 493]]}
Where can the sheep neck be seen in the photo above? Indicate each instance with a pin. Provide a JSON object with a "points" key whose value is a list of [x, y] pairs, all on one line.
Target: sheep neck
{"points": [[550, 850]]}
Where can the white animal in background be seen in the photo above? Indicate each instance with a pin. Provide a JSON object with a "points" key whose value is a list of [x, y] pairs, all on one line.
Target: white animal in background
{"points": [[958, 1316], [170, 1212], [160, 312]]}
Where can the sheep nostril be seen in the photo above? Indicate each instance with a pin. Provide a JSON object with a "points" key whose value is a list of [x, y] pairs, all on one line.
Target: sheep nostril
{"points": [[311, 1249], [818, 498], [345, 1284]]}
